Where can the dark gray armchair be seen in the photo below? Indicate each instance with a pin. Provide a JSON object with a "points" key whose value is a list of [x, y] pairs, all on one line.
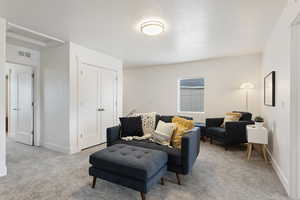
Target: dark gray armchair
{"points": [[232, 134]]}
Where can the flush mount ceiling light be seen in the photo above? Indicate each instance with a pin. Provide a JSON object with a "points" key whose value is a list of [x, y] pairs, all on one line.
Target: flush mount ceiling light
{"points": [[152, 27]]}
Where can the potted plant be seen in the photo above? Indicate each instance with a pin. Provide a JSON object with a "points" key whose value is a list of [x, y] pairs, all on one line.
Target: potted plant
{"points": [[259, 121]]}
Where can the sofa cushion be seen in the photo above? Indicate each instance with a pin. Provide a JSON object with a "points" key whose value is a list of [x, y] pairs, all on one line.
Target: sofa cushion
{"points": [[216, 131], [174, 155], [166, 118], [131, 126], [126, 160]]}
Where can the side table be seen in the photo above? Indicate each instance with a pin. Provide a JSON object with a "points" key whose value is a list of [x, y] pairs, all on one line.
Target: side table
{"points": [[202, 127], [257, 135]]}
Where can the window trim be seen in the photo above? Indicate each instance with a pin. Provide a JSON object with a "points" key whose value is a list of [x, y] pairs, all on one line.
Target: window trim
{"points": [[178, 96]]}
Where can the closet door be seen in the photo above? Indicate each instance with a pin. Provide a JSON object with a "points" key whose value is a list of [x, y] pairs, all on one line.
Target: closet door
{"points": [[108, 98], [89, 90]]}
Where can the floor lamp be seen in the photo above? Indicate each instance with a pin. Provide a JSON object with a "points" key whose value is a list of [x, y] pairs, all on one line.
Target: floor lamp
{"points": [[247, 86]]}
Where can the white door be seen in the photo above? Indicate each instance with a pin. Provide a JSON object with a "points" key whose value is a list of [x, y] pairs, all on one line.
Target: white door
{"points": [[108, 102], [89, 129], [97, 104], [21, 104]]}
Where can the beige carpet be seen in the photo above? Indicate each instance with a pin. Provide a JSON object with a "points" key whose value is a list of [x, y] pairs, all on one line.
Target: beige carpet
{"points": [[39, 174]]}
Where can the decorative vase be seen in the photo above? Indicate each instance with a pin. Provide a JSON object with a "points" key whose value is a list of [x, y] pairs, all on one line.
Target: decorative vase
{"points": [[259, 124]]}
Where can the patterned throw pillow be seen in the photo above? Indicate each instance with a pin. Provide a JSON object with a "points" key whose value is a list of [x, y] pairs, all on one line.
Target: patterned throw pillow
{"points": [[148, 122], [183, 125], [163, 133], [231, 117]]}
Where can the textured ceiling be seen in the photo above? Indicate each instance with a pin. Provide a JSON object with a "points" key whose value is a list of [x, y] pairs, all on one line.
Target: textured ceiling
{"points": [[196, 29]]}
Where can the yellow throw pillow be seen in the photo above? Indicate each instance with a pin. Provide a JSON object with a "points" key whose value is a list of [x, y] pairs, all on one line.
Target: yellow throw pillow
{"points": [[231, 117], [183, 125]]}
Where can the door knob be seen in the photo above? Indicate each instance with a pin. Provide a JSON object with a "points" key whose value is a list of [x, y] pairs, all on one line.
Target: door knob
{"points": [[100, 109], [16, 109]]}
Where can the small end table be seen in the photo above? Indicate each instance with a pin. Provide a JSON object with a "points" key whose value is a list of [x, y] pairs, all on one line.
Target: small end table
{"points": [[257, 135], [202, 127]]}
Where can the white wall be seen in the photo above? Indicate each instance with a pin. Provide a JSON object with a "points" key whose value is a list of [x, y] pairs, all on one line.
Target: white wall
{"points": [[276, 56], [60, 92], [55, 98], [155, 88], [3, 170], [82, 54]]}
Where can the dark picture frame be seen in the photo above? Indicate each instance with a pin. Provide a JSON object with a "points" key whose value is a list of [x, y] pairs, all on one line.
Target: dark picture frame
{"points": [[269, 89]]}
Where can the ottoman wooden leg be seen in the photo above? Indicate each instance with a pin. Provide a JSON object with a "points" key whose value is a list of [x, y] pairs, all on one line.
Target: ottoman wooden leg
{"points": [[94, 182], [162, 181], [143, 195], [178, 179]]}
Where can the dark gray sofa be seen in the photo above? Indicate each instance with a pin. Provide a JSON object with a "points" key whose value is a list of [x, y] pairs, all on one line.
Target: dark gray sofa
{"points": [[180, 161]]}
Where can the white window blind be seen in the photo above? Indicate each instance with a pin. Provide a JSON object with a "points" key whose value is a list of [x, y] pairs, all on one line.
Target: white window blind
{"points": [[191, 95]]}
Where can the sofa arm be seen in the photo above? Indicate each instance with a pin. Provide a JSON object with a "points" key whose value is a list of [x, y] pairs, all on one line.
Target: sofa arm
{"points": [[112, 134], [190, 148], [237, 131], [214, 122]]}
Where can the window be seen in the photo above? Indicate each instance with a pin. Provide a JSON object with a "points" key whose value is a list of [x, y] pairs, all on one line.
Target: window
{"points": [[191, 95]]}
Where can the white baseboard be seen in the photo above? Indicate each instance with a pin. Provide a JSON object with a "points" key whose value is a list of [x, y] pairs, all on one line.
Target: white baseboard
{"points": [[3, 171], [279, 173], [56, 147], [74, 149]]}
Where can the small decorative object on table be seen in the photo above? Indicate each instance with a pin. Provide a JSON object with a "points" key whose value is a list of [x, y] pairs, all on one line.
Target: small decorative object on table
{"points": [[257, 135], [259, 121]]}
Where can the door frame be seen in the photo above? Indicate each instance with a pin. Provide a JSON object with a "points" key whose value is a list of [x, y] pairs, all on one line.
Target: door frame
{"points": [[294, 175], [82, 62], [36, 98]]}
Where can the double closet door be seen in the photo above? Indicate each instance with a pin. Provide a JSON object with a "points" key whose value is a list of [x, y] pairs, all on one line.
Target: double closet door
{"points": [[97, 104]]}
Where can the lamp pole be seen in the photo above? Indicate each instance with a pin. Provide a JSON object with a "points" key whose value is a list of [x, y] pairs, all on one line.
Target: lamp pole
{"points": [[247, 100], [247, 87]]}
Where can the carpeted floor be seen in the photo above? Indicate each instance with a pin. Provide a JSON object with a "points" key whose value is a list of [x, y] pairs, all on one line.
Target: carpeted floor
{"points": [[39, 174]]}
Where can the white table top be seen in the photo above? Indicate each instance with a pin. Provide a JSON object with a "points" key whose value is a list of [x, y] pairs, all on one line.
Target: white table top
{"points": [[255, 127]]}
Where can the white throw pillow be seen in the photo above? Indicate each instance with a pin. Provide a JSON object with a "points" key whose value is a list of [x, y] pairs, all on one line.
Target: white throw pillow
{"points": [[163, 133]]}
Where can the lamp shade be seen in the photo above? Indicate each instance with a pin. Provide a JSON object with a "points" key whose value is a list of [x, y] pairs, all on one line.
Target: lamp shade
{"points": [[247, 86]]}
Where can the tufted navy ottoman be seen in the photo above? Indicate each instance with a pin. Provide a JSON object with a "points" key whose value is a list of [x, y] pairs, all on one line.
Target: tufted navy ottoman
{"points": [[134, 167]]}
